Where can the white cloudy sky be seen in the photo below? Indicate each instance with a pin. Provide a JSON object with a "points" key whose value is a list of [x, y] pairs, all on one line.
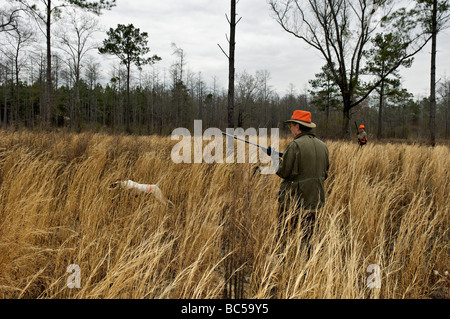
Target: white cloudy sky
{"points": [[197, 26]]}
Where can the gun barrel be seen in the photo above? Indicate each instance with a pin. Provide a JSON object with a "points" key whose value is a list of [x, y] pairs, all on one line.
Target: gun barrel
{"points": [[240, 139], [265, 149]]}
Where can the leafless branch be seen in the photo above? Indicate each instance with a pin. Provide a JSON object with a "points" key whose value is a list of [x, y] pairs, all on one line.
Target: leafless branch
{"points": [[223, 51]]}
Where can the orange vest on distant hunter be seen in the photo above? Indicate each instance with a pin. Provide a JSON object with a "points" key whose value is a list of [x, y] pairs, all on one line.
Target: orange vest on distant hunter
{"points": [[362, 138]]}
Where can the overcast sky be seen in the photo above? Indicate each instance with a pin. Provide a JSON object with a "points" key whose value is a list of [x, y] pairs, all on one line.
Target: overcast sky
{"points": [[198, 26]]}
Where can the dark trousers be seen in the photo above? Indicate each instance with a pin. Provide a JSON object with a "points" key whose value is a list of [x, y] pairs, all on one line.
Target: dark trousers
{"points": [[288, 223]]}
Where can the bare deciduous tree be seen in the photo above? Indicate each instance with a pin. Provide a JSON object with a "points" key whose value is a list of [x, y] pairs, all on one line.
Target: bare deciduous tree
{"points": [[340, 30], [75, 39], [231, 58], [8, 19], [17, 40], [45, 12]]}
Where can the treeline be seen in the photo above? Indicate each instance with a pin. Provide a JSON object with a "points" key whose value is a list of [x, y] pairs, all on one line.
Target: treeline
{"points": [[158, 106], [70, 88]]}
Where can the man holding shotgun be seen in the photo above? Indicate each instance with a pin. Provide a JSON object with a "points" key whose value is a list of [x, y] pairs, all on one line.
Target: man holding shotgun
{"points": [[304, 169]]}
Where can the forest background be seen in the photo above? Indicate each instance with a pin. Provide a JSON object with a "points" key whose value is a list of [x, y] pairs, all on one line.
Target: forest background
{"points": [[51, 76]]}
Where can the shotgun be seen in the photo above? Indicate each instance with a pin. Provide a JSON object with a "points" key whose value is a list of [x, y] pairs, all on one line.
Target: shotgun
{"points": [[269, 151]]}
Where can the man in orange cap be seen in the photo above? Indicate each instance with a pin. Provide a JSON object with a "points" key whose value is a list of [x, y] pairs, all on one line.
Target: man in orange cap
{"points": [[362, 136], [304, 169]]}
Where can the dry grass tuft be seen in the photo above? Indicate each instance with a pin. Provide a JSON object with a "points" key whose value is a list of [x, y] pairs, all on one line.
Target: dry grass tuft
{"points": [[387, 205]]}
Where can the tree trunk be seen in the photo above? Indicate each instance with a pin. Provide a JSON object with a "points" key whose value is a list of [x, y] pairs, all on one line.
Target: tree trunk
{"points": [[5, 110], [433, 77], [328, 101], [127, 109], [231, 70], [17, 84], [48, 110], [346, 116], [380, 111], [447, 109], [78, 115]]}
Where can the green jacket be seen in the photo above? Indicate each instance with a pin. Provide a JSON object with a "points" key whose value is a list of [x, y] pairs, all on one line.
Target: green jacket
{"points": [[304, 169]]}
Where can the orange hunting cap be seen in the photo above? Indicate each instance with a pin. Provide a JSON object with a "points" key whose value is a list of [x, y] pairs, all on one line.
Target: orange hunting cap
{"points": [[303, 118], [362, 126]]}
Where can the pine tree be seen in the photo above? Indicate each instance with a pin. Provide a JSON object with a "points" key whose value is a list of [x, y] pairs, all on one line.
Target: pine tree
{"points": [[130, 45]]}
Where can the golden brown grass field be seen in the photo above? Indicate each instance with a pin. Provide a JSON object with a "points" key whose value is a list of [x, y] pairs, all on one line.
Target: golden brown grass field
{"points": [[387, 205]]}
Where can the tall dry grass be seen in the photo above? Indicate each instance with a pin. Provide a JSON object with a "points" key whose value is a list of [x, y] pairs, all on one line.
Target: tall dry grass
{"points": [[386, 205]]}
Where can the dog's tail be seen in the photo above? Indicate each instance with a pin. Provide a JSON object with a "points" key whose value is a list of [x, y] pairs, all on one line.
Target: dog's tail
{"points": [[166, 200], [170, 203]]}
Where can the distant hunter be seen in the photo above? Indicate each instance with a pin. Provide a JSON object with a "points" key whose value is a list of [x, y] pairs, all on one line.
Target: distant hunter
{"points": [[362, 136]]}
